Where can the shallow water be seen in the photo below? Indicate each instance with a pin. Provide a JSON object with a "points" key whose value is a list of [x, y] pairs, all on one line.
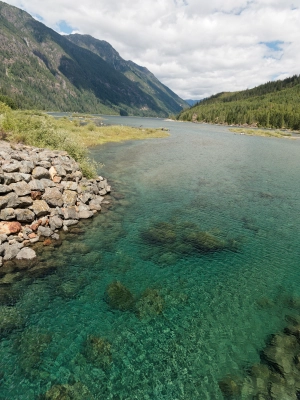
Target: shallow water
{"points": [[211, 311]]}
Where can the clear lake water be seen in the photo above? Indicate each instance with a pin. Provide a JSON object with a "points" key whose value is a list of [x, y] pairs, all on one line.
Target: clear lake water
{"points": [[203, 236]]}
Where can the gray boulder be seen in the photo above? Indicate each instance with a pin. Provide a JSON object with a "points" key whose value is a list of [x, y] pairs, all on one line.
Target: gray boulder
{"points": [[21, 188], [7, 214], [26, 254], [47, 183], [70, 222], [14, 167], [11, 250], [26, 177], [44, 231], [40, 173], [69, 198], [4, 189], [12, 200], [40, 208], [3, 201], [70, 213], [36, 185], [26, 167], [94, 205], [24, 215], [85, 214], [53, 197], [60, 171], [55, 222], [71, 186], [25, 201]]}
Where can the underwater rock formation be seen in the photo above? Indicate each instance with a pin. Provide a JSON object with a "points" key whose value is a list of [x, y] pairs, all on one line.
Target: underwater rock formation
{"points": [[150, 304], [166, 241], [98, 351], [119, 297], [10, 319], [30, 345], [78, 391], [277, 377]]}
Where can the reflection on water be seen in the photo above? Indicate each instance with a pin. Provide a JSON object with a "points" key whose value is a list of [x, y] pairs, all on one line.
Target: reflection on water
{"points": [[173, 291]]}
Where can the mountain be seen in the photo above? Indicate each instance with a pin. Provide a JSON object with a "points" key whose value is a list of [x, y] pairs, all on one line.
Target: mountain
{"points": [[146, 81], [41, 69], [272, 105], [192, 102]]}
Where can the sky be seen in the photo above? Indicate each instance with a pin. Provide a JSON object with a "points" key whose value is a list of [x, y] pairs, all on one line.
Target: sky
{"points": [[196, 47]]}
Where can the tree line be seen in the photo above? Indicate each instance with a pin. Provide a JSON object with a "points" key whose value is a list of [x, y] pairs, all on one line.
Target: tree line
{"points": [[272, 105]]}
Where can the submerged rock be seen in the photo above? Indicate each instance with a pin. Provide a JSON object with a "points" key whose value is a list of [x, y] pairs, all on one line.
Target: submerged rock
{"points": [[78, 391], [98, 351], [30, 346], [160, 233], [230, 386], [204, 242], [150, 304], [119, 297], [10, 319]]}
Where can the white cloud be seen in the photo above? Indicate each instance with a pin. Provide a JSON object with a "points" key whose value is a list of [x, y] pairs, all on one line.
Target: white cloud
{"points": [[196, 47]]}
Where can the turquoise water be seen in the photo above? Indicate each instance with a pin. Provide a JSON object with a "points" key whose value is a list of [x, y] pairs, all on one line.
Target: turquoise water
{"points": [[208, 311]]}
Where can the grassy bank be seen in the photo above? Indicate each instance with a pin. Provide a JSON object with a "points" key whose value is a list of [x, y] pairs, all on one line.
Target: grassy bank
{"points": [[36, 128], [262, 132]]}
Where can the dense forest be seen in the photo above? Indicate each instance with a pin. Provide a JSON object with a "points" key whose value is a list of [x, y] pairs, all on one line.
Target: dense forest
{"points": [[272, 105]]}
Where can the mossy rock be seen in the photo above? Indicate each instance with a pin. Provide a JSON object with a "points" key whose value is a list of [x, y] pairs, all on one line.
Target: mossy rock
{"points": [[30, 346], [260, 371], [9, 295], [150, 304], [160, 233], [98, 351], [68, 392], [119, 297], [204, 242], [10, 319], [230, 387], [167, 259]]}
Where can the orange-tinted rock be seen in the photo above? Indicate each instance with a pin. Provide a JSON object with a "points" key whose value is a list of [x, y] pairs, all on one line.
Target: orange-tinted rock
{"points": [[47, 242], [56, 179], [32, 235], [36, 195], [34, 227], [8, 228]]}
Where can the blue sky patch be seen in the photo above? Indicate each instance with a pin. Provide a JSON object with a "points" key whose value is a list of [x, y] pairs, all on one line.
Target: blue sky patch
{"points": [[64, 27], [38, 17], [275, 45]]}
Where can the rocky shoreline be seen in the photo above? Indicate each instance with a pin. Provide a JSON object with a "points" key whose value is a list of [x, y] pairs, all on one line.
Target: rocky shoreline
{"points": [[41, 192]]}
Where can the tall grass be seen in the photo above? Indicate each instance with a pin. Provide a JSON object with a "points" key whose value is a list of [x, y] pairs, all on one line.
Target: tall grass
{"points": [[36, 128], [40, 130]]}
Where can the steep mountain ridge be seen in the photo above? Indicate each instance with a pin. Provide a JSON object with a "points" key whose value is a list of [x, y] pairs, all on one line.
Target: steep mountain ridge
{"points": [[42, 69], [141, 75]]}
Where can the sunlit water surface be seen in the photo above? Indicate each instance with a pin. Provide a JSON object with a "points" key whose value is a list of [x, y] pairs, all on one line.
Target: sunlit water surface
{"points": [[209, 321]]}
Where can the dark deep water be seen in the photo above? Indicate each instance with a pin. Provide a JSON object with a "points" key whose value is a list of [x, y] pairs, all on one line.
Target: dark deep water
{"points": [[203, 230]]}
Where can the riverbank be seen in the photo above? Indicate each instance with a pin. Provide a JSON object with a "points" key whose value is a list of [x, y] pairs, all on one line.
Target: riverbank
{"points": [[41, 192]]}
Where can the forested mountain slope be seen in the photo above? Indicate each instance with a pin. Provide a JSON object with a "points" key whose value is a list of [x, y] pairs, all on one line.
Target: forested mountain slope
{"points": [[272, 105], [41, 69]]}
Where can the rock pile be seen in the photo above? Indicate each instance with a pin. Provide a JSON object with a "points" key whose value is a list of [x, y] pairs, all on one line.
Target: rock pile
{"points": [[41, 192]]}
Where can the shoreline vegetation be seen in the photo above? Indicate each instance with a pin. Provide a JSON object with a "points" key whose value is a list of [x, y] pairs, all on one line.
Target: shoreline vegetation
{"points": [[73, 134], [264, 132]]}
